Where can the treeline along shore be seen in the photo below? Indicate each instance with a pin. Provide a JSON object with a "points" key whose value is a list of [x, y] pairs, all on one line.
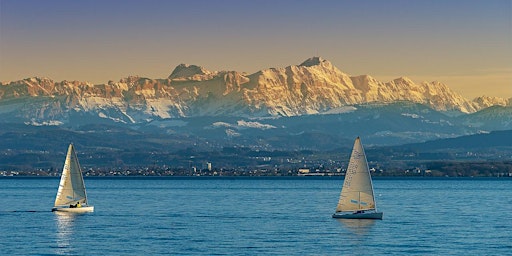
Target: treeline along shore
{"points": [[430, 169], [383, 161]]}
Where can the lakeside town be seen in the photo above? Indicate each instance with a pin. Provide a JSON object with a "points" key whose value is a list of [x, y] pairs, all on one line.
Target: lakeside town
{"points": [[455, 170]]}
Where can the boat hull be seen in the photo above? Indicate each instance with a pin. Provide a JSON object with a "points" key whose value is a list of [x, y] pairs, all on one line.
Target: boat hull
{"points": [[75, 210], [364, 215]]}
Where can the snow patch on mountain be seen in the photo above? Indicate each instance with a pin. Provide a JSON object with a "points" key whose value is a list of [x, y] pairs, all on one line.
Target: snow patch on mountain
{"points": [[222, 124], [341, 110], [257, 125], [241, 124], [232, 133], [415, 116], [48, 123], [163, 108]]}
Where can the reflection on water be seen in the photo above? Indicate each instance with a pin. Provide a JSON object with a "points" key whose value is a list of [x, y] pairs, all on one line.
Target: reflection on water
{"points": [[65, 228], [358, 227]]}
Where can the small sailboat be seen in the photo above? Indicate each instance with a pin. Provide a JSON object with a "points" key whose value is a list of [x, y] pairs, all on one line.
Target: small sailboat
{"points": [[71, 196], [356, 199]]}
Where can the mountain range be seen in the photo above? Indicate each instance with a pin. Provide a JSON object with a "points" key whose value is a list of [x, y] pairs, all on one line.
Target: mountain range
{"points": [[313, 87], [310, 106]]}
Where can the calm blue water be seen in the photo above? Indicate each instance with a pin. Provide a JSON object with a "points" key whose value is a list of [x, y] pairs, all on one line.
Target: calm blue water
{"points": [[273, 216]]}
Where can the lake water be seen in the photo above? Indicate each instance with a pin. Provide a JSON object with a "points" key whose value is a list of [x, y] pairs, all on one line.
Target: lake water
{"points": [[256, 216]]}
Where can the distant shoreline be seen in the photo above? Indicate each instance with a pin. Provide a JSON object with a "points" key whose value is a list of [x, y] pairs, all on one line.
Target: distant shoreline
{"points": [[263, 177]]}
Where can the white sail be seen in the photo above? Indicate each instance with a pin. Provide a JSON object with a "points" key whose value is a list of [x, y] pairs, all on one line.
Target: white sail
{"points": [[71, 187], [357, 191]]}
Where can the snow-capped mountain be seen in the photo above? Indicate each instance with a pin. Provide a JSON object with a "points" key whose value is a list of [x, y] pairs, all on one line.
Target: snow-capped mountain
{"points": [[486, 101], [315, 86]]}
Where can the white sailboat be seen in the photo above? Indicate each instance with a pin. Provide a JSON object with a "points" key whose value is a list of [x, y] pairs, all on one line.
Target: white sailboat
{"points": [[356, 199], [71, 196]]}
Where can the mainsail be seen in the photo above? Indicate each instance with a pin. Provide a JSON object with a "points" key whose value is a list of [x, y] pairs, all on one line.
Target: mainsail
{"points": [[71, 186], [357, 191]]}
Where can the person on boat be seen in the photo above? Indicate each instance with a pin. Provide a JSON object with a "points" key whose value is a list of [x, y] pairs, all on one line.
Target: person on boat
{"points": [[72, 206], [78, 205]]}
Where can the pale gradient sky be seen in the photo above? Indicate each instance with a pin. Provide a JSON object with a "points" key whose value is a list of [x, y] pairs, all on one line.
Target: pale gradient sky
{"points": [[465, 44]]}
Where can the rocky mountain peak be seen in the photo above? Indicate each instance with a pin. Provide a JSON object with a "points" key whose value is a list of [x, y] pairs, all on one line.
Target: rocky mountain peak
{"points": [[315, 61], [403, 80], [190, 72]]}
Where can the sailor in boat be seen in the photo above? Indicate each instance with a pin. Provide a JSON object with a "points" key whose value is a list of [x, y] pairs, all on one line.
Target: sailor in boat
{"points": [[77, 205]]}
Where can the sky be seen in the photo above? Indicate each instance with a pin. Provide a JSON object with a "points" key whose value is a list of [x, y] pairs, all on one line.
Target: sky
{"points": [[464, 44]]}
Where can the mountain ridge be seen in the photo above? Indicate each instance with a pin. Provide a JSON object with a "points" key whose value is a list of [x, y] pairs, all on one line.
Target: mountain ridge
{"points": [[312, 87]]}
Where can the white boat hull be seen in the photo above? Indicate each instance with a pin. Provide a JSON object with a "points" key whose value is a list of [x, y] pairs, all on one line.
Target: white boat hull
{"points": [[353, 215], [75, 210]]}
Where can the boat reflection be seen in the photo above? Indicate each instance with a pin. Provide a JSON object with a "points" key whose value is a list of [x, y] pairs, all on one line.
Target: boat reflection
{"points": [[357, 226], [65, 229]]}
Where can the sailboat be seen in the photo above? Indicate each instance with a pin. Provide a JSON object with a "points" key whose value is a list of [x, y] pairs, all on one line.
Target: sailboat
{"points": [[71, 196], [356, 198]]}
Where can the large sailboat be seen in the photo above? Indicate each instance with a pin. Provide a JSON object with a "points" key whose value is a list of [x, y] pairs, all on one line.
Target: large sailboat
{"points": [[356, 199], [71, 196]]}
